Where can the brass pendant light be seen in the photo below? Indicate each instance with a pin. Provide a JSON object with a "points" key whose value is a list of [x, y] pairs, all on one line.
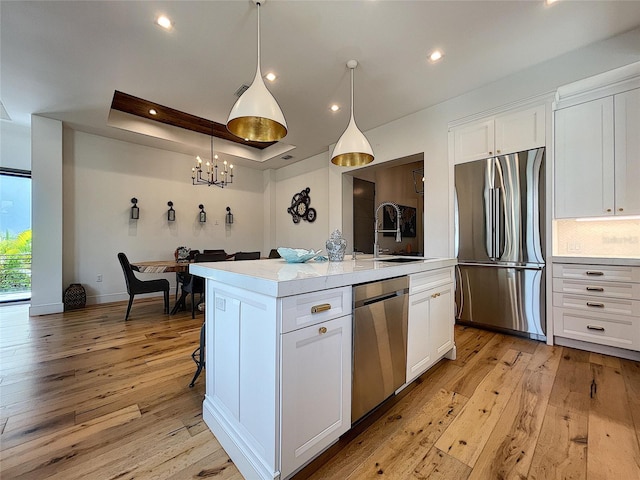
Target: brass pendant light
{"points": [[256, 115], [352, 149]]}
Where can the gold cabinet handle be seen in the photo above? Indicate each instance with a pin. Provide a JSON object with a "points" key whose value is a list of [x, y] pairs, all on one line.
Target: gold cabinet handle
{"points": [[594, 273], [595, 327], [435, 295], [490, 153], [498, 151], [621, 209], [593, 304], [608, 209], [595, 289], [322, 330], [323, 307]]}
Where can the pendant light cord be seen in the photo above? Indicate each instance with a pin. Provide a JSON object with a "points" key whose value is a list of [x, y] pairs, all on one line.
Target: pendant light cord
{"points": [[259, 70], [352, 93]]}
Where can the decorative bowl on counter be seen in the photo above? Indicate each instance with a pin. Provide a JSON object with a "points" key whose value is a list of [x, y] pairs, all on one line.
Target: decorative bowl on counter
{"points": [[297, 255]]}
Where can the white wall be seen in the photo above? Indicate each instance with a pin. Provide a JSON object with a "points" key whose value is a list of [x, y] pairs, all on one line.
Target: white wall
{"points": [[101, 176], [293, 179], [15, 145]]}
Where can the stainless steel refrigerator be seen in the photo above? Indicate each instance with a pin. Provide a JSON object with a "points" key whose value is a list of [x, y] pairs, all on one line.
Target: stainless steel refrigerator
{"points": [[500, 243]]}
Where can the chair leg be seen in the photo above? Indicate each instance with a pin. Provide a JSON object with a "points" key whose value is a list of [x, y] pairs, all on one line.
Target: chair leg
{"points": [[193, 305], [166, 301], [126, 317], [199, 352]]}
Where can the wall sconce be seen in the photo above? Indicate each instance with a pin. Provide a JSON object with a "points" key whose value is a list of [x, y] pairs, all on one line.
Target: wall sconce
{"points": [[135, 211], [229, 217], [203, 214], [171, 213]]}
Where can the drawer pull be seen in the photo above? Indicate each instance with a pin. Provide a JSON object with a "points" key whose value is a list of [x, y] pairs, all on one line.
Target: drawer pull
{"points": [[595, 289], [595, 273], [322, 330], [595, 327], [323, 307], [594, 304], [435, 295]]}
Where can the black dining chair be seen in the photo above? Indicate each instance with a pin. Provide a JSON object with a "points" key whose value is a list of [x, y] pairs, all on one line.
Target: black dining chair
{"points": [[247, 256], [195, 284], [135, 286]]}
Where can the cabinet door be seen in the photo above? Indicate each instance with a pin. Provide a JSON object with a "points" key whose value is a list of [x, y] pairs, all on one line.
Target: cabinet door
{"points": [[418, 341], [315, 389], [474, 142], [520, 131], [584, 160], [627, 163], [441, 311], [429, 329]]}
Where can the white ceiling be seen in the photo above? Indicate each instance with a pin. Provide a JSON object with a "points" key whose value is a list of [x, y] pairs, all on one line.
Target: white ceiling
{"points": [[64, 59]]}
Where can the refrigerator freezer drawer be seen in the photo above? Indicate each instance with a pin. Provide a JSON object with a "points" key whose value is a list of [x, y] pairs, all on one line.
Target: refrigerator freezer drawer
{"points": [[506, 298]]}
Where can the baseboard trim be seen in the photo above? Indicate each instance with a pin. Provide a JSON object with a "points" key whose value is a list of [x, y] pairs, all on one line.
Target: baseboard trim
{"points": [[45, 309], [596, 348]]}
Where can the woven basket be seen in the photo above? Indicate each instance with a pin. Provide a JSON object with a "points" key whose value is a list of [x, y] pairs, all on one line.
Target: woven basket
{"points": [[74, 297]]}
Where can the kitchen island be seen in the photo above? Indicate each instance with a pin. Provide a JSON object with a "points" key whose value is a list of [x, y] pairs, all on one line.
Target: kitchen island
{"points": [[279, 351]]}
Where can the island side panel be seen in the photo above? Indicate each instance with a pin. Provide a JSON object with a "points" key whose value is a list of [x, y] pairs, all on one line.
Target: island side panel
{"points": [[241, 403]]}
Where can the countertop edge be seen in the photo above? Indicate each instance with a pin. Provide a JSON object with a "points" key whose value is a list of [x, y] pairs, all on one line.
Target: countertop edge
{"points": [[622, 262], [355, 272]]}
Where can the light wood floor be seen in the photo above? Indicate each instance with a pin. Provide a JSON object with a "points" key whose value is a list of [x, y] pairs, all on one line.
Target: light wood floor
{"points": [[85, 395]]}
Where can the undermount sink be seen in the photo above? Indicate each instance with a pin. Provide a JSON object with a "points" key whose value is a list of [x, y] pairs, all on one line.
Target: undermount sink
{"points": [[400, 259]]}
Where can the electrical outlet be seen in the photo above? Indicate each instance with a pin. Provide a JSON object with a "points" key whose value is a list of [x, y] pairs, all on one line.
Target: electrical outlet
{"points": [[99, 277]]}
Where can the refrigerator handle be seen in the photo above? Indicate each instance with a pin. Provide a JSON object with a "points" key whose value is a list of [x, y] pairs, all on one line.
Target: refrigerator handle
{"points": [[496, 224], [491, 250]]}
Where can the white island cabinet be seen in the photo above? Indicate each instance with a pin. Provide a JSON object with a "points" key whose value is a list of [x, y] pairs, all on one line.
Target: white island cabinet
{"points": [[279, 355]]}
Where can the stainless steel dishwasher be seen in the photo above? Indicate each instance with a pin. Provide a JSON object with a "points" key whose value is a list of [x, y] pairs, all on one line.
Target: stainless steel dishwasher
{"points": [[379, 342]]}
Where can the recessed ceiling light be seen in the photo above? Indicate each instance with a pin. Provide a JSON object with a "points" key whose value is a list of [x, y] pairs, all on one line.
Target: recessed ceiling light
{"points": [[335, 108], [153, 111], [164, 22], [435, 56], [270, 76], [549, 2]]}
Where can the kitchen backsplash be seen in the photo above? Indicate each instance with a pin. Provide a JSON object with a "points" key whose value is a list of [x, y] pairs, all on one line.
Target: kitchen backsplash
{"points": [[601, 238]]}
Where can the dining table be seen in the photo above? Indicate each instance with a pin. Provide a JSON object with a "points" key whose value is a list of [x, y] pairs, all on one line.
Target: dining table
{"points": [[161, 266]]}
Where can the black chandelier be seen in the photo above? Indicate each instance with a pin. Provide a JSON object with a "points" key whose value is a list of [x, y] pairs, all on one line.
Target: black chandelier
{"points": [[208, 174]]}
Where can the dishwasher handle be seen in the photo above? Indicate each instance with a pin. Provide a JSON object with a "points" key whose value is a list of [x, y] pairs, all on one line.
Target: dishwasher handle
{"points": [[380, 298]]}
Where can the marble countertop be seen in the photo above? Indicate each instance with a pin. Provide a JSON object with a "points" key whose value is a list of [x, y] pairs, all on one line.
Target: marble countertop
{"points": [[623, 262], [277, 278]]}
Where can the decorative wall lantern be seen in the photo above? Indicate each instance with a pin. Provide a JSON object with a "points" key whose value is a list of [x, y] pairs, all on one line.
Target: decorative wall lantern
{"points": [[203, 214], [171, 213], [135, 211], [229, 217]]}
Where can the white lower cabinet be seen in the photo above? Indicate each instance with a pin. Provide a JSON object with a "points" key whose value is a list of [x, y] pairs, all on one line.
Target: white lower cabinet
{"points": [[315, 390], [431, 320], [599, 304]]}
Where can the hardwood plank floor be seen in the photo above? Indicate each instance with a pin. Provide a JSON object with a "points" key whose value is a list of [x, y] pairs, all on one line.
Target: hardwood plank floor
{"points": [[86, 395]]}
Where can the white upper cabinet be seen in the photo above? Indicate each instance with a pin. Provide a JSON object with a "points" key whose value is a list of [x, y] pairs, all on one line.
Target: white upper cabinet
{"points": [[627, 150], [584, 159], [597, 145], [500, 134], [597, 157]]}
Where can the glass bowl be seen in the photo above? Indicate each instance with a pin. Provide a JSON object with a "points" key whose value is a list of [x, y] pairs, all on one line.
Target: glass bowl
{"points": [[297, 255]]}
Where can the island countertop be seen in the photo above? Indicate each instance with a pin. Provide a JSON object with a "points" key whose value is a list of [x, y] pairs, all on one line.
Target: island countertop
{"points": [[276, 278]]}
